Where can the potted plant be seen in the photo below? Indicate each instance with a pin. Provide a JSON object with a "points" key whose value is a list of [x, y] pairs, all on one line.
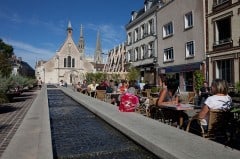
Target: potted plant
{"points": [[198, 82]]}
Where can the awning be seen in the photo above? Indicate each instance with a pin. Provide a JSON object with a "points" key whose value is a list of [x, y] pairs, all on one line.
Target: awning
{"points": [[182, 68]]}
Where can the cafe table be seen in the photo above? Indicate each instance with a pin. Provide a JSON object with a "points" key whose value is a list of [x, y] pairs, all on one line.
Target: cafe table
{"points": [[180, 108]]}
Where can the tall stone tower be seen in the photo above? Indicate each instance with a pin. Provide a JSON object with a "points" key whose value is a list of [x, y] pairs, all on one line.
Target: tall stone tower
{"points": [[98, 52], [81, 44]]}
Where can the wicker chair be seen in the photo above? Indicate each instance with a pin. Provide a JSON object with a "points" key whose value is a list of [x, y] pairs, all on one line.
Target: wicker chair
{"points": [[191, 96], [216, 125], [100, 94], [146, 93]]}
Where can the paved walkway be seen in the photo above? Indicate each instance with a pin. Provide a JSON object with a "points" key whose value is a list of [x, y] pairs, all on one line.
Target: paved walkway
{"points": [[11, 116]]}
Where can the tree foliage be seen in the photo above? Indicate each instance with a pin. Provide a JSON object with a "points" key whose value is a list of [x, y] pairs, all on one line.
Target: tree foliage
{"points": [[133, 74], [198, 80], [6, 53], [98, 77]]}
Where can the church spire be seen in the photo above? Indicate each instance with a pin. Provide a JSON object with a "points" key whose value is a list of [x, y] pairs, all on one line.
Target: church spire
{"points": [[81, 31], [81, 43], [69, 28], [98, 51]]}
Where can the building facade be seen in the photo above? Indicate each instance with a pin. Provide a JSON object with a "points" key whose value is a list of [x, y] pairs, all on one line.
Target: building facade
{"points": [[141, 45], [223, 40], [68, 64], [181, 48], [116, 60]]}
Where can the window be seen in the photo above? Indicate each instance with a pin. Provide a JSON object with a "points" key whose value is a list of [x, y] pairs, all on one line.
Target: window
{"points": [[219, 2], [224, 70], [168, 29], [136, 52], [73, 62], [188, 20], [151, 49], [69, 62], [190, 49], [136, 34], [129, 38], [65, 62], [150, 26], [142, 31], [223, 31], [142, 52], [168, 54]]}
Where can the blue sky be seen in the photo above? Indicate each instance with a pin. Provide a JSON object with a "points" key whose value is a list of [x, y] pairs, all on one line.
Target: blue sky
{"points": [[37, 28]]}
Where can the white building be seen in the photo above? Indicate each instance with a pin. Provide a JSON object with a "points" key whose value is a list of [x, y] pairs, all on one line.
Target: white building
{"points": [[68, 63]]}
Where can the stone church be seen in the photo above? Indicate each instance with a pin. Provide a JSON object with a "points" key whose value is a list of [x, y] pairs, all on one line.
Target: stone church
{"points": [[68, 64]]}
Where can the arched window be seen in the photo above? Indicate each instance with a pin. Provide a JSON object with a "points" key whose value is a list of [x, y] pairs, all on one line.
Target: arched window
{"points": [[65, 62], [69, 61], [73, 62]]}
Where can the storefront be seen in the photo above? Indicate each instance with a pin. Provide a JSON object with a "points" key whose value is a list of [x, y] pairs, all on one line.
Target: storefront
{"points": [[184, 74]]}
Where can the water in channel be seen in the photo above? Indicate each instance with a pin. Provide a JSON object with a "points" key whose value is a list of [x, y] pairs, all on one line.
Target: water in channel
{"points": [[79, 134]]}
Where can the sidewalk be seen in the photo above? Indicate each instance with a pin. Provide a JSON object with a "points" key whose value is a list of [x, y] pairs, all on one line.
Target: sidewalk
{"points": [[11, 116], [25, 128]]}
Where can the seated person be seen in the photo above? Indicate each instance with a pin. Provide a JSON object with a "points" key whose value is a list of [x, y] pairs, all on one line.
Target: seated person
{"points": [[146, 86], [84, 86], [204, 93], [101, 86], [78, 87], [167, 96], [123, 88], [92, 88], [219, 100]]}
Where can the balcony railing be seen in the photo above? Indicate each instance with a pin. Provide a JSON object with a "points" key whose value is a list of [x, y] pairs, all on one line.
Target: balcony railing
{"points": [[222, 44]]}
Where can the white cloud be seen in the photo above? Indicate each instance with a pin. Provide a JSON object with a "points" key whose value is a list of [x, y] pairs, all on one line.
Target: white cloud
{"points": [[28, 52], [110, 35]]}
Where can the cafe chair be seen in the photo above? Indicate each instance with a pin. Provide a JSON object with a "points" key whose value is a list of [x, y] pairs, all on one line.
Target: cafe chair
{"points": [[146, 93], [100, 94], [191, 97], [216, 126]]}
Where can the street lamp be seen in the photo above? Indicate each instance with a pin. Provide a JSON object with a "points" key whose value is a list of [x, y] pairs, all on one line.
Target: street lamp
{"points": [[57, 57], [155, 60]]}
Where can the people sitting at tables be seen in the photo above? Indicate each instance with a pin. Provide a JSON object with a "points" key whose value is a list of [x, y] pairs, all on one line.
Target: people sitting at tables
{"points": [[78, 87], [111, 87], [101, 86], [91, 88], [219, 100], [123, 87], [168, 95], [146, 86], [82, 87]]}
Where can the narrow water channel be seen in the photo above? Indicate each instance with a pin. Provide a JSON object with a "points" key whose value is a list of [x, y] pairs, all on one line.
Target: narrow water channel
{"points": [[79, 134]]}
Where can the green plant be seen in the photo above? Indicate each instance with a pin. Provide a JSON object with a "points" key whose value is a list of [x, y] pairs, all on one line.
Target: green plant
{"points": [[237, 85], [198, 80], [133, 74]]}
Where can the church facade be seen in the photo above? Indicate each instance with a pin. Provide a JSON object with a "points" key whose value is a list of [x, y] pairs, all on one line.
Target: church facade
{"points": [[68, 64]]}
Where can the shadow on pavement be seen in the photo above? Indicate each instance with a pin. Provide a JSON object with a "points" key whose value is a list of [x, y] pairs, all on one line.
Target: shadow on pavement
{"points": [[7, 108]]}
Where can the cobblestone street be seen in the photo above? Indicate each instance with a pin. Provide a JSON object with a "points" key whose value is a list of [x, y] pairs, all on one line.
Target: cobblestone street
{"points": [[11, 116]]}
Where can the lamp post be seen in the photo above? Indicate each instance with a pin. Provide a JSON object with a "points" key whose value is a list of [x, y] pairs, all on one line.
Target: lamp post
{"points": [[44, 75], [155, 60], [57, 57]]}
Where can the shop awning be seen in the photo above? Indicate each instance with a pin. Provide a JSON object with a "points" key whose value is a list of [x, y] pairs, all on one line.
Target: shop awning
{"points": [[183, 68]]}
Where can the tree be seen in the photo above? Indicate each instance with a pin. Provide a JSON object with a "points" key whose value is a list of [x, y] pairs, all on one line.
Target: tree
{"points": [[133, 74], [6, 53], [198, 80]]}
